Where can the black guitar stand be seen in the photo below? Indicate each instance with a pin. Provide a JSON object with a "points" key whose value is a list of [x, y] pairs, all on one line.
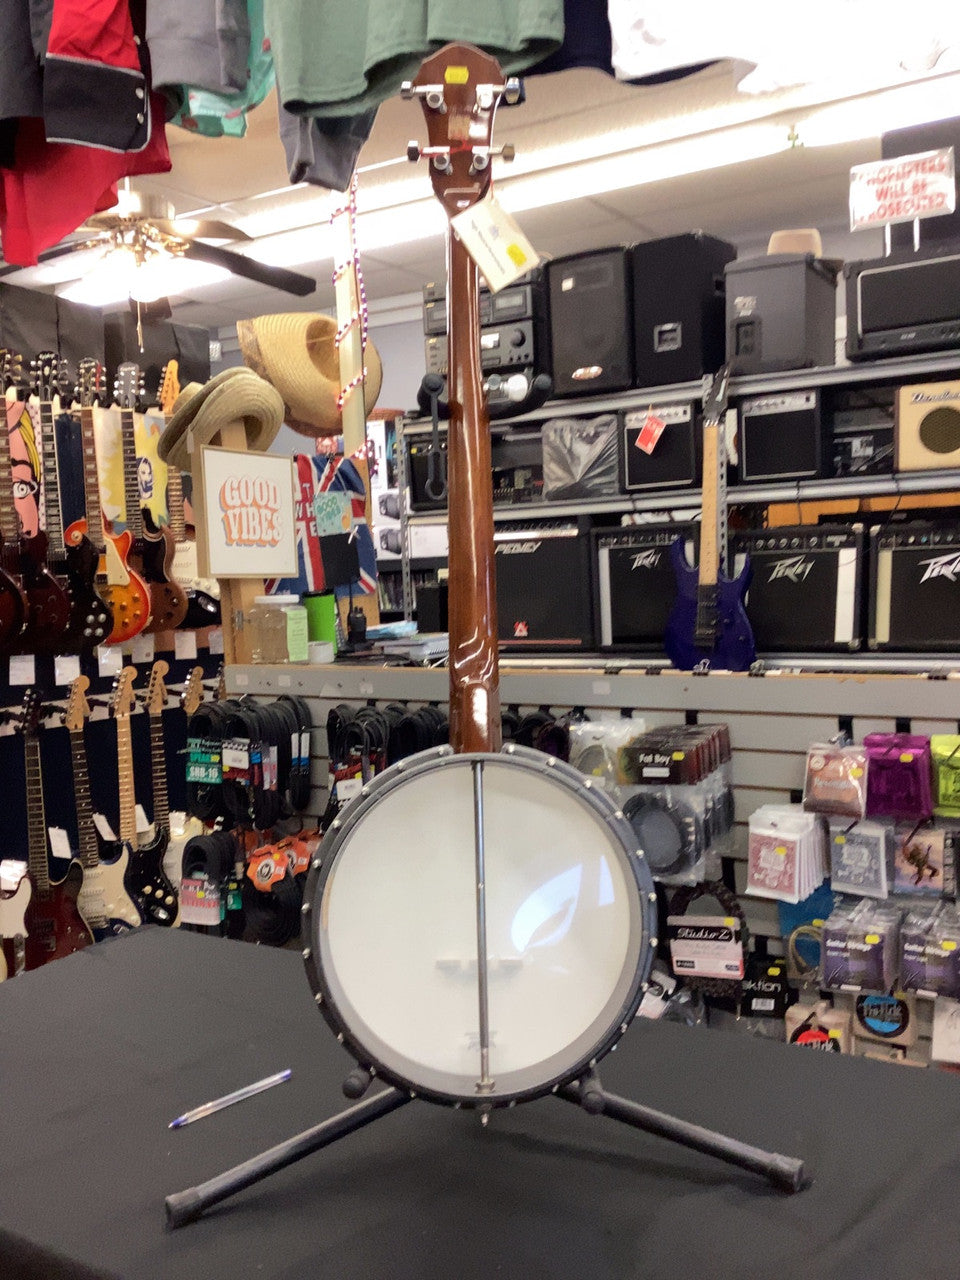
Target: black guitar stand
{"points": [[783, 1172]]}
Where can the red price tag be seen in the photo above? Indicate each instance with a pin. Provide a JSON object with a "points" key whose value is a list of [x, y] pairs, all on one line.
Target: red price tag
{"points": [[650, 433]]}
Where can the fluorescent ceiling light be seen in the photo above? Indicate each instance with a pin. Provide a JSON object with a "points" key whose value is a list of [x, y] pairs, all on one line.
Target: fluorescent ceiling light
{"points": [[873, 114]]}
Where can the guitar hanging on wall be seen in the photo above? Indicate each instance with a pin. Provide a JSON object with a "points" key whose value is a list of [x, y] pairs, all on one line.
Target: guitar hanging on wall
{"points": [[121, 588], [151, 854], [13, 599], [48, 598], [708, 623], [203, 604], [90, 619], [54, 925], [151, 554], [150, 889], [103, 901]]}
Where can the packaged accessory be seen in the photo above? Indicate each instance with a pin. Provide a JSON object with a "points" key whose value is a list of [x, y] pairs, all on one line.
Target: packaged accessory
{"points": [[898, 778], [835, 781], [819, 1026], [860, 950], [945, 758], [787, 852], [862, 857]]}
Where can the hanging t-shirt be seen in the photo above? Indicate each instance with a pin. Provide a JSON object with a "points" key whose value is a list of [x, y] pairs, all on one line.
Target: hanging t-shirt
{"points": [[346, 56]]}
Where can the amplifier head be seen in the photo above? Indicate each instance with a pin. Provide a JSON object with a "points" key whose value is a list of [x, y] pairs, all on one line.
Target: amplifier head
{"points": [[927, 426]]}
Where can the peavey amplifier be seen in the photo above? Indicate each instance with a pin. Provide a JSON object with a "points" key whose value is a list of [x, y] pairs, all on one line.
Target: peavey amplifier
{"points": [[636, 584], [905, 303], [927, 426], [659, 447], [915, 586], [806, 590], [544, 587], [781, 437]]}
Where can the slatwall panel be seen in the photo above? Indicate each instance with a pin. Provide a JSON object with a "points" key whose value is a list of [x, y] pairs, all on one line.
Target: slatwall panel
{"points": [[772, 719]]}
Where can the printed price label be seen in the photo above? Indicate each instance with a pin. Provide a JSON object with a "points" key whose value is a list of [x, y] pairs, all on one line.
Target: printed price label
{"points": [[203, 761], [649, 435], [199, 902]]}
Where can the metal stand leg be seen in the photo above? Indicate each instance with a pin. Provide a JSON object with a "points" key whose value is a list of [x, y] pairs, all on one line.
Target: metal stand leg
{"points": [[784, 1172], [187, 1206]]}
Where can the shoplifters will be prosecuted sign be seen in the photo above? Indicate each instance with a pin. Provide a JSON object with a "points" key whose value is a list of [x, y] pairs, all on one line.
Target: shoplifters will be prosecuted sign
{"points": [[902, 189]]}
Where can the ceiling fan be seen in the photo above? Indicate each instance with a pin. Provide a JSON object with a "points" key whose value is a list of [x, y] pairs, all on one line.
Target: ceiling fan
{"points": [[141, 237]]}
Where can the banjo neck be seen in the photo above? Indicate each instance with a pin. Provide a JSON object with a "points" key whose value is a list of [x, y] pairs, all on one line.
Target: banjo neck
{"points": [[459, 88]]}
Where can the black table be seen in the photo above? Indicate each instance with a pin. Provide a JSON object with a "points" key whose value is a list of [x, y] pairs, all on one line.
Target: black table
{"points": [[99, 1051]]}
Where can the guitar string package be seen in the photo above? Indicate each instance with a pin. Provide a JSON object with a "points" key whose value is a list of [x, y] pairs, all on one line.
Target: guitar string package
{"points": [[862, 857], [860, 949], [835, 780], [787, 852], [925, 859], [898, 777], [930, 950], [945, 762], [676, 792]]}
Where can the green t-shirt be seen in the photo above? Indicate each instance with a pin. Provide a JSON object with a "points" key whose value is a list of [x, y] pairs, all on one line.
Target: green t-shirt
{"points": [[340, 57]]}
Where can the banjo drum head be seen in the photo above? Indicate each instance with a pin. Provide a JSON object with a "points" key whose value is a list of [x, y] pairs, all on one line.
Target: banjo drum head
{"points": [[390, 928]]}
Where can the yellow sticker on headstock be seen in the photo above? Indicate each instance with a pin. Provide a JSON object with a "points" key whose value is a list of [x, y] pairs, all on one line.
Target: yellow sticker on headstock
{"points": [[456, 75]]}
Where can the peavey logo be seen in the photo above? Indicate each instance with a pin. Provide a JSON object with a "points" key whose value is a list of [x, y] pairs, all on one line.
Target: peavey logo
{"points": [[646, 560], [516, 548], [794, 568], [942, 567]]}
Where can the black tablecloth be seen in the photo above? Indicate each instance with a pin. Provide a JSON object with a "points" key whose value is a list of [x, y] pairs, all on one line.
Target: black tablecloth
{"points": [[98, 1052]]}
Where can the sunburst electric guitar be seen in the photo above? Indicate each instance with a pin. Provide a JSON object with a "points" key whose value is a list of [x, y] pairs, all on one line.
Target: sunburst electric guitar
{"points": [[118, 584]]}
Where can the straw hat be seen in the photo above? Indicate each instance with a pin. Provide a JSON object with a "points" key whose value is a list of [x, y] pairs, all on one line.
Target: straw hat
{"points": [[297, 353], [200, 411]]}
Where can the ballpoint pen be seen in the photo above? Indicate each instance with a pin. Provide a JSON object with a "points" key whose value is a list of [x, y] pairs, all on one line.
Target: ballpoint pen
{"points": [[208, 1108]]}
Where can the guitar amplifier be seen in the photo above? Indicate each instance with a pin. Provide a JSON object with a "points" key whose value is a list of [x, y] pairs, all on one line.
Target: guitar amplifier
{"points": [[806, 590], [781, 437], [544, 586], [927, 435], [905, 303], [636, 585], [516, 456], [915, 586], [781, 312], [671, 461]]}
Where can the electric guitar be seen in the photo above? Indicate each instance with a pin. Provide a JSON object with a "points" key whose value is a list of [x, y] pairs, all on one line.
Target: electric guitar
{"points": [[13, 600], [103, 902], [154, 851], [151, 553], [190, 699], [203, 603], [708, 623], [123, 591], [13, 925], [54, 926], [150, 889], [48, 599], [90, 619]]}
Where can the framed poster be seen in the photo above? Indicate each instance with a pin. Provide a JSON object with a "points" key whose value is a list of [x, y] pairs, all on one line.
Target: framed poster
{"points": [[248, 507]]}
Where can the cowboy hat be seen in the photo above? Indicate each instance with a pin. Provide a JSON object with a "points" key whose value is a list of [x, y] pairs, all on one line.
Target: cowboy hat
{"points": [[200, 411], [297, 353]]}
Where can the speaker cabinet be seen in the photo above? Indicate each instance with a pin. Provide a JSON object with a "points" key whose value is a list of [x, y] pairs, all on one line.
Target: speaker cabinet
{"points": [[678, 308], [671, 461], [915, 595], [544, 586], [636, 584], [782, 437], [927, 426], [591, 322]]}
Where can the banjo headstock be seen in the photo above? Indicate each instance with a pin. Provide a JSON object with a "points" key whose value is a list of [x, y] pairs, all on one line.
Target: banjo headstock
{"points": [[460, 88]]}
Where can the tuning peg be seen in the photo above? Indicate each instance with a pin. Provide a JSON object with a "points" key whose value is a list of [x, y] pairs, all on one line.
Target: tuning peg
{"points": [[513, 91], [413, 151], [481, 156], [432, 94]]}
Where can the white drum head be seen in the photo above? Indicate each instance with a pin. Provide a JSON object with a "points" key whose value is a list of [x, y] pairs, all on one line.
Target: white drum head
{"points": [[392, 931]]}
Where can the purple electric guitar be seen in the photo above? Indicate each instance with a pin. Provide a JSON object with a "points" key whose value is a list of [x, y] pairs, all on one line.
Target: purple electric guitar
{"points": [[708, 623]]}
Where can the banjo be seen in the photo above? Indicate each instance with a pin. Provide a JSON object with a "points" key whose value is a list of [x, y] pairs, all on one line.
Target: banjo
{"points": [[525, 959]]}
